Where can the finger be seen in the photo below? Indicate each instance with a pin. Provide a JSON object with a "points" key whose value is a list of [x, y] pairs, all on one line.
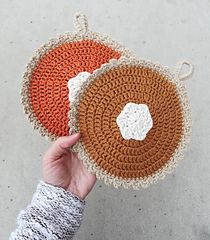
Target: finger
{"points": [[61, 146]]}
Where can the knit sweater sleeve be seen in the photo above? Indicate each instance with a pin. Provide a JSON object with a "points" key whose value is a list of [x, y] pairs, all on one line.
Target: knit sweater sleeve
{"points": [[53, 214]]}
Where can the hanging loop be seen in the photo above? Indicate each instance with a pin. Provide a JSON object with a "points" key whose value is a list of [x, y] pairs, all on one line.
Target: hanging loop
{"points": [[179, 67], [81, 23]]}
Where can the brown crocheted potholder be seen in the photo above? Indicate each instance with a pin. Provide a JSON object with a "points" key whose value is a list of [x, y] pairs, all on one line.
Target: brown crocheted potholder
{"points": [[135, 121], [44, 92]]}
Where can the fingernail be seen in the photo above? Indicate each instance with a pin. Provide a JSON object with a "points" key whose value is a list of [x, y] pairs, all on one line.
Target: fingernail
{"points": [[75, 134]]}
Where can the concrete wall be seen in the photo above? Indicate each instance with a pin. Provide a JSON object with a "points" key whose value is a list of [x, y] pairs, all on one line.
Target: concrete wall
{"points": [[164, 31]]}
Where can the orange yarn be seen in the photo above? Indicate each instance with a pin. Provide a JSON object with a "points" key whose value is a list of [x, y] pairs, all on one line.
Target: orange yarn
{"points": [[48, 91], [102, 102]]}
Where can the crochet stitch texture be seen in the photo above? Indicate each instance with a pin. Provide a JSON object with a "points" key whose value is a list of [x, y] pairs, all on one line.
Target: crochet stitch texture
{"points": [[44, 93], [82, 81], [131, 163], [134, 121]]}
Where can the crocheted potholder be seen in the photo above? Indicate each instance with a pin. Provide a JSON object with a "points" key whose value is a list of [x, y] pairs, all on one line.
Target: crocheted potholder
{"points": [[134, 117], [44, 92]]}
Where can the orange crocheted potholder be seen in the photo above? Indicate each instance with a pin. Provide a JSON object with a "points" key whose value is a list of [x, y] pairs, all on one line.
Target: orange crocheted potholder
{"points": [[134, 118], [45, 91]]}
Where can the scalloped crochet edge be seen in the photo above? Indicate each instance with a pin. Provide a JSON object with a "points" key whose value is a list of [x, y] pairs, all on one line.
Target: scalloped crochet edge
{"points": [[78, 35], [135, 183]]}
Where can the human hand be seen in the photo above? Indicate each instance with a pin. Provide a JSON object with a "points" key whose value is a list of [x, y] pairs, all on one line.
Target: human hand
{"points": [[62, 168]]}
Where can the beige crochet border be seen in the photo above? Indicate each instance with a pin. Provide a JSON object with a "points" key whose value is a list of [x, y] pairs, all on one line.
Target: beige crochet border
{"points": [[173, 76], [81, 33]]}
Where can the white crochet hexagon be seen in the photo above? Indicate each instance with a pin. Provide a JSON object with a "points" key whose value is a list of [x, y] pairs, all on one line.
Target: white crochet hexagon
{"points": [[75, 83], [134, 121]]}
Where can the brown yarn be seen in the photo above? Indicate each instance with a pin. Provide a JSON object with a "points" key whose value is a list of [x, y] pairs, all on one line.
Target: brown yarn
{"points": [[102, 102], [48, 91]]}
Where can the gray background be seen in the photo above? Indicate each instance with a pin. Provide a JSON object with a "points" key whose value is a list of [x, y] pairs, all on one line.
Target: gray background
{"points": [[163, 31]]}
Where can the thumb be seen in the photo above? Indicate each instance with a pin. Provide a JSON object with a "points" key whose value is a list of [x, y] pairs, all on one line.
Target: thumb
{"points": [[61, 146]]}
